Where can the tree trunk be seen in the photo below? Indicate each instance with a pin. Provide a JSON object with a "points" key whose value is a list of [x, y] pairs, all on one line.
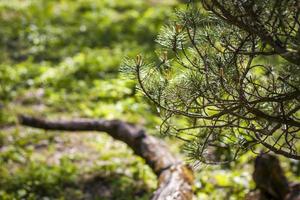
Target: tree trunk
{"points": [[271, 183]]}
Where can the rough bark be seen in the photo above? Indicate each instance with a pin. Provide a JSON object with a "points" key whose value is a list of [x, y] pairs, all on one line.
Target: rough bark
{"points": [[174, 178], [271, 182]]}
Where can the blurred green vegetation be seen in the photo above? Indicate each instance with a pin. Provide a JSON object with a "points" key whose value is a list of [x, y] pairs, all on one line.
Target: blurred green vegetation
{"points": [[60, 59]]}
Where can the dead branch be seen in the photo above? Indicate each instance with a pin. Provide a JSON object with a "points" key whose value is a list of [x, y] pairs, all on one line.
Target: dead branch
{"points": [[175, 179]]}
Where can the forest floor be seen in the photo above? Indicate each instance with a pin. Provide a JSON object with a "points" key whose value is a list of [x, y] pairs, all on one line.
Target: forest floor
{"points": [[61, 59], [80, 165]]}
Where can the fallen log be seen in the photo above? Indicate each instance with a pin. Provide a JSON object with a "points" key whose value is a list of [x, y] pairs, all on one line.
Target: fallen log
{"points": [[175, 179]]}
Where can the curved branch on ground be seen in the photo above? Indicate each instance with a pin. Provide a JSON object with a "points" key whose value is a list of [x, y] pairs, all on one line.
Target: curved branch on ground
{"points": [[175, 179]]}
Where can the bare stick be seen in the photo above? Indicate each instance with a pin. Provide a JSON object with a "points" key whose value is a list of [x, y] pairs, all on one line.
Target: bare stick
{"points": [[174, 178]]}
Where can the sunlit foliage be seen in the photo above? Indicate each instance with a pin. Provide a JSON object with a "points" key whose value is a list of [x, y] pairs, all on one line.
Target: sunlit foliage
{"points": [[229, 70]]}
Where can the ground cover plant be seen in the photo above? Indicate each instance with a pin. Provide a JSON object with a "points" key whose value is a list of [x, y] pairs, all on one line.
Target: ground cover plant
{"points": [[61, 59]]}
